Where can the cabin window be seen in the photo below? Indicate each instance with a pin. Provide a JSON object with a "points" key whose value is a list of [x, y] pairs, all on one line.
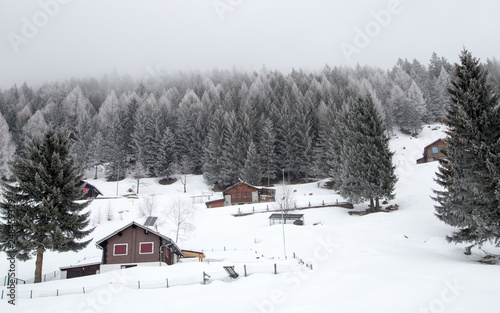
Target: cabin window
{"points": [[146, 248], [120, 249], [435, 150]]}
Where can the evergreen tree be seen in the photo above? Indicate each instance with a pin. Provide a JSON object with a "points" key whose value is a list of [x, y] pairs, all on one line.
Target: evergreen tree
{"points": [[165, 156], [267, 152], [233, 153], [212, 169], [40, 210], [115, 145], [7, 149], [469, 172], [367, 172], [251, 172]]}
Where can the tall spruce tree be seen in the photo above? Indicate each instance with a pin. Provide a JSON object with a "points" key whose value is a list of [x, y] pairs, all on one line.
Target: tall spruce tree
{"points": [[367, 172], [468, 174], [40, 210], [252, 171]]}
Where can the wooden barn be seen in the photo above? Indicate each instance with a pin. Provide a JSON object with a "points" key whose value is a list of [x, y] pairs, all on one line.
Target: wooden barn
{"points": [[242, 193], [136, 244], [88, 191], [433, 152]]}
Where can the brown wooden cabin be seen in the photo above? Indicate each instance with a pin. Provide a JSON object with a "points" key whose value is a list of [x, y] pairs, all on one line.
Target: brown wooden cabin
{"points": [[242, 193], [433, 152], [80, 270], [135, 243]]}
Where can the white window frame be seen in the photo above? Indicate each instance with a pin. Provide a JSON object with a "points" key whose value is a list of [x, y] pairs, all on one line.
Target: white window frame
{"points": [[152, 248], [120, 244]]}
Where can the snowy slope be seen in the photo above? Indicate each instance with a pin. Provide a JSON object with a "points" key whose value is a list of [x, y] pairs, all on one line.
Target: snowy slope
{"points": [[383, 262]]}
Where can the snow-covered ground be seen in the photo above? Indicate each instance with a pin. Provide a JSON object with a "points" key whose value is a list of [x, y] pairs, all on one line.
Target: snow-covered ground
{"points": [[382, 262]]}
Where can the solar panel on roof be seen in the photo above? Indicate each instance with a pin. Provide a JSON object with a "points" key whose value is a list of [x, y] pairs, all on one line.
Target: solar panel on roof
{"points": [[150, 221]]}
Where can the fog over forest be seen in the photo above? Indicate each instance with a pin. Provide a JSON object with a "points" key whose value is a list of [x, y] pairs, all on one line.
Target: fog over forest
{"points": [[228, 125]]}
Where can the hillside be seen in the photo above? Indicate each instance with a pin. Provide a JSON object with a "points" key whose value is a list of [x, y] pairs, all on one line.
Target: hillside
{"points": [[382, 262]]}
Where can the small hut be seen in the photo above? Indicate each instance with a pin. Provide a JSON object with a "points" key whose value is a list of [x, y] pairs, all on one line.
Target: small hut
{"points": [[433, 152]]}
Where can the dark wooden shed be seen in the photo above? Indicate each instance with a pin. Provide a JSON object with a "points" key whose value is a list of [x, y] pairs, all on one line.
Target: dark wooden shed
{"points": [[433, 152], [80, 270]]}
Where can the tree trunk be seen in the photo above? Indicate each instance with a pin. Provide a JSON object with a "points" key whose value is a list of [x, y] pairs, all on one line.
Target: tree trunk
{"points": [[371, 203], [377, 203], [184, 183], [38, 265], [95, 177]]}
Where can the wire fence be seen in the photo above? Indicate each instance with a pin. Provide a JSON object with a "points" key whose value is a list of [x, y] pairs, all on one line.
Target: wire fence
{"points": [[45, 277], [243, 270], [309, 205]]}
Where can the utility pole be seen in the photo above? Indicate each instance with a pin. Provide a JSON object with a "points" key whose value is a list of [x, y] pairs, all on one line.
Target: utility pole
{"points": [[117, 178], [283, 211]]}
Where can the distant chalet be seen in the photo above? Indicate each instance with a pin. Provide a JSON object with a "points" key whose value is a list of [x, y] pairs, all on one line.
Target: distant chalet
{"points": [[433, 152], [242, 193]]}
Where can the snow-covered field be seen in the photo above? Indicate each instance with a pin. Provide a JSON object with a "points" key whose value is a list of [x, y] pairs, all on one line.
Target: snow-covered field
{"points": [[383, 262]]}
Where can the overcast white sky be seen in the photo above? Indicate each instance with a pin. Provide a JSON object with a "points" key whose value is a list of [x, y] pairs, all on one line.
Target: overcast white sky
{"points": [[48, 40]]}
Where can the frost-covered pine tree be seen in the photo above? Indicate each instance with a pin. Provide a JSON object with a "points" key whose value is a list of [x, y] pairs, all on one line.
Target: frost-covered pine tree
{"points": [[367, 172], [115, 144], [165, 156], [41, 211], [233, 151], [468, 175], [7, 149], [251, 172], [212, 168], [267, 150]]}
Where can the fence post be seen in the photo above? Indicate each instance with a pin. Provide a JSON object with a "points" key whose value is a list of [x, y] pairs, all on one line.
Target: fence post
{"points": [[5, 281], [44, 277], [83, 288], [1, 298], [31, 294], [57, 292], [167, 282], [139, 284], [245, 269], [275, 269], [323, 202]]}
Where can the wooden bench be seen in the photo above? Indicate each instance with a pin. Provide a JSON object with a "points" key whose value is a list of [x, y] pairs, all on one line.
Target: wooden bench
{"points": [[231, 272]]}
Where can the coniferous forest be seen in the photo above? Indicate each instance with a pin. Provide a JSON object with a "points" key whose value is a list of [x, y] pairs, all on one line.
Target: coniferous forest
{"points": [[225, 124]]}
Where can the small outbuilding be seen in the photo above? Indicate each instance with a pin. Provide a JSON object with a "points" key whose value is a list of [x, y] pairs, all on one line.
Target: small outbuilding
{"points": [[279, 218], [243, 193], [88, 191], [80, 270], [136, 244], [433, 152], [194, 254]]}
